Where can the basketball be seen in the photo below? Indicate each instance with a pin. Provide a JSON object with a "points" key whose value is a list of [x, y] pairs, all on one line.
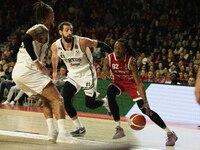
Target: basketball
{"points": [[137, 121]]}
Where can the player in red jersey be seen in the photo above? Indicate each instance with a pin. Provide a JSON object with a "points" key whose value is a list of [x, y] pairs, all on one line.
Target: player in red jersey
{"points": [[126, 79]]}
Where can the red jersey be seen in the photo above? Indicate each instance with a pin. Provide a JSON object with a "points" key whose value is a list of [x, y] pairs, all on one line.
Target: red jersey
{"points": [[122, 76], [120, 69]]}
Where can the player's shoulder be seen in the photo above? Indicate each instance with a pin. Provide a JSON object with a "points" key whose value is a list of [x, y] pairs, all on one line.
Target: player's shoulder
{"points": [[38, 26], [56, 43], [111, 56], [85, 39], [133, 59], [41, 26]]}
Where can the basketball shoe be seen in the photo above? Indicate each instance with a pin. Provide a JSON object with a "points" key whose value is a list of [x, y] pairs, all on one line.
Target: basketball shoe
{"points": [[171, 139], [6, 103], [52, 136], [105, 104], [65, 137], [119, 133], [79, 132], [12, 103]]}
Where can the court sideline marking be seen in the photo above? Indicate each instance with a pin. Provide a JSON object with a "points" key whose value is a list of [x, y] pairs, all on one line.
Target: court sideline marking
{"points": [[44, 137]]}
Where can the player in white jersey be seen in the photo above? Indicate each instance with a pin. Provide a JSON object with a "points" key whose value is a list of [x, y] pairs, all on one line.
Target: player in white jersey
{"points": [[32, 76], [75, 53]]}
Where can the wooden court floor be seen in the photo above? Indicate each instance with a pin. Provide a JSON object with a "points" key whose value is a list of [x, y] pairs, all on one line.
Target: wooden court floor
{"points": [[24, 128]]}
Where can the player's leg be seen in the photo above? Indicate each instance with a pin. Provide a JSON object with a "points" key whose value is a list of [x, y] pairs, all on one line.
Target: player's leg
{"points": [[52, 132], [172, 138], [40, 84], [53, 97], [51, 94], [70, 88], [132, 91], [112, 92], [68, 91], [90, 98]]}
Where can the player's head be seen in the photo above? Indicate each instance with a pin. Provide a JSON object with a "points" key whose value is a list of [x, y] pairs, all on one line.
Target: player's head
{"points": [[44, 13], [124, 45], [120, 48], [66, 31]]}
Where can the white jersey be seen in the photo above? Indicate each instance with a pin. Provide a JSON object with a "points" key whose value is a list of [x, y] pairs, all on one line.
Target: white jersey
{"points": [[39, 48], [79, 64], [25, 74]]}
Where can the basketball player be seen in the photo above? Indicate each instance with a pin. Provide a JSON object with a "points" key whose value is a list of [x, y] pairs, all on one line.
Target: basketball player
{"points": [[32, 76], [126, 79], [75, 53], [197, 87]]}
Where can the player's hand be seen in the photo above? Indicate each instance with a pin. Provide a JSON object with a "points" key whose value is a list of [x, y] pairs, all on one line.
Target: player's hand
{"points": [[45, 71], [42, 68], [148, 110], [55, 76], [55, 81]]}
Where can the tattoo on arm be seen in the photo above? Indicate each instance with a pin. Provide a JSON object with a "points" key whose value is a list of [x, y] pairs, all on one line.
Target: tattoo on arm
{"points": [[39, 31]]}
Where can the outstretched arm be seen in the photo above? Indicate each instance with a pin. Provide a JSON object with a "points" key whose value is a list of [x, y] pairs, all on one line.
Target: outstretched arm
{"points": [[197, 87], [54, 61], [139, 84], [106, 69], [104, 47], [87, 42], [137, 79]]}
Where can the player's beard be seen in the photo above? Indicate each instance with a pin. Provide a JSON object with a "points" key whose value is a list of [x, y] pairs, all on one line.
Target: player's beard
{"points": [[68, 38]]}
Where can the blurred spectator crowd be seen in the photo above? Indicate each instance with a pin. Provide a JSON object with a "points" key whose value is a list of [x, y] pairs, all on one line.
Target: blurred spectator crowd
{"points": [[165, 33]]}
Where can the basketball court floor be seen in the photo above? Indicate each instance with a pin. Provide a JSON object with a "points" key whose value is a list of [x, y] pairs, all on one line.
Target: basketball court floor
{"points": [[24, 128]]}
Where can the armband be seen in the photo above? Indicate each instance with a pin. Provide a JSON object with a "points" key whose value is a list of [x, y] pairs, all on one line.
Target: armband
{"points": [[104, 47], [27, 39]]}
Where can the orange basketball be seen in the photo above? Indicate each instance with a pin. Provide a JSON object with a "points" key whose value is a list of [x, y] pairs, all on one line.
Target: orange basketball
{"points": [[137, 121]]}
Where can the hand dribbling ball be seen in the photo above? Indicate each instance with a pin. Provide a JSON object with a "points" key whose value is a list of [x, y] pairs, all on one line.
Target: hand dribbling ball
{"points": [[137, 121]]}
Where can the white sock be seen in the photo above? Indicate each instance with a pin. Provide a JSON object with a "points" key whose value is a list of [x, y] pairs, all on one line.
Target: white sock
{"points": [[118, 123], [50, 124], [167, 129], [61, 125], [77, 123]]}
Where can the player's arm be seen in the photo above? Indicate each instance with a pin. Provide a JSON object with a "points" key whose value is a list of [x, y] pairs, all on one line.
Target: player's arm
{"points": [[54, 60], [106, 69], [139, 85], [137, 79], [40, 34], [87, 42], [197, 87]]}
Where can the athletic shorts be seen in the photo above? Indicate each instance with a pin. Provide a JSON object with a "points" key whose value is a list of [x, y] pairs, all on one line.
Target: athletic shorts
{"points": [[86, 81], [129, 88], [29, 79]]}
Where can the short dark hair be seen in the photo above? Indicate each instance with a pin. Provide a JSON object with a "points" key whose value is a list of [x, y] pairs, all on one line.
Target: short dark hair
{"points": [[60, 26]]}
